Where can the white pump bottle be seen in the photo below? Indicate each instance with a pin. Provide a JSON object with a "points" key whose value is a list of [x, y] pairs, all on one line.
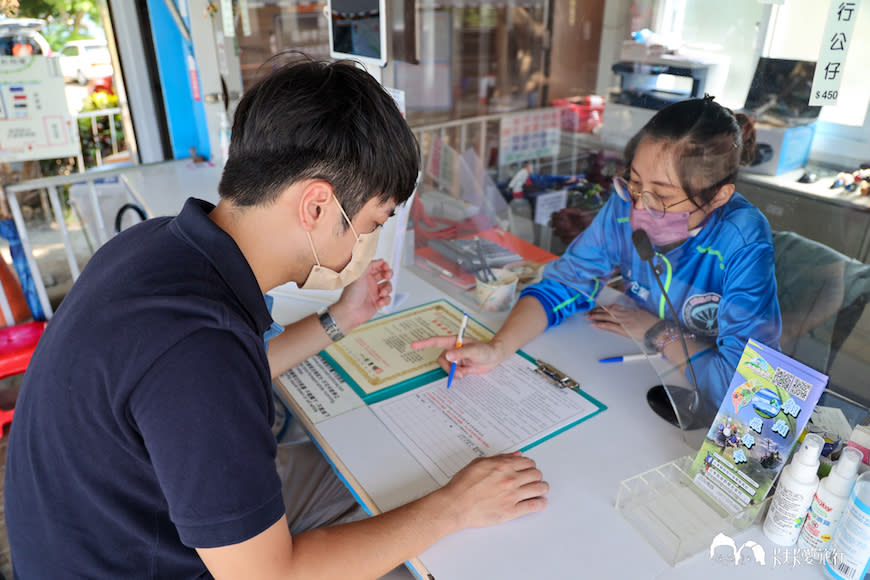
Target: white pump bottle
{"points": [[830, 501], [794, 493]]}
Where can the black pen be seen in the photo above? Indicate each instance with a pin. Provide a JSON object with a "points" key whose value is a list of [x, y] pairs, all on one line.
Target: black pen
{"points": [[488, 275]]}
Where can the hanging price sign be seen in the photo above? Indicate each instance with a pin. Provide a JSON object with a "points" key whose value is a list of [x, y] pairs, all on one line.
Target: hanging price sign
{"points": [[832, 55]]}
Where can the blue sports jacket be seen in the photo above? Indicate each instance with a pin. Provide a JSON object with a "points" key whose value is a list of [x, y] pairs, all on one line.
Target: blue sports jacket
{"points": [[721, 282]]}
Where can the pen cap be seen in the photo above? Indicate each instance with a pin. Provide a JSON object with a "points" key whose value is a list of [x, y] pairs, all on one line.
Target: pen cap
{"points": [[805, 465], [844, 473]]}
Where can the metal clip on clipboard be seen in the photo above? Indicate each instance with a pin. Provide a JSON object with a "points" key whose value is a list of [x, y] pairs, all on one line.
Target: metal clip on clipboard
{"points": [[556, 376]]}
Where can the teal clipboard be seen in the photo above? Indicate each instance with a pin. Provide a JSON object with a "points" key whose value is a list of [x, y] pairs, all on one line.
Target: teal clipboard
{"points": [[552, 374]]}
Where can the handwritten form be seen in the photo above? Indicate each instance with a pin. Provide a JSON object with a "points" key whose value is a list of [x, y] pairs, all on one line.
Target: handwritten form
{"points": [[510, 408]]}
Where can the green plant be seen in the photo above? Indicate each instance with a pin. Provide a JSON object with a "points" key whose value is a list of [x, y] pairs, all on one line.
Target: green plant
{"points": [[96, 137]]}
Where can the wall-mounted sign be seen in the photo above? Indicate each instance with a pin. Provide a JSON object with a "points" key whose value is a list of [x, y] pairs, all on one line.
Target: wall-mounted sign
{"points": [[527, 136], [35, 122]]}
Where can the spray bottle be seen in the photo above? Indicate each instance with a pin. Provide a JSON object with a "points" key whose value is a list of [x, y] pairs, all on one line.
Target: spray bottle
{"points": [[830, 501], [794, 493], [848, 556], [520, 209]]}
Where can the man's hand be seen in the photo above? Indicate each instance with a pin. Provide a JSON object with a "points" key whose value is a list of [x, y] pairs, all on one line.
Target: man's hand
{"points": [[486, 492], [493, 490], [472, 358], [631, 322], [361, 299]]}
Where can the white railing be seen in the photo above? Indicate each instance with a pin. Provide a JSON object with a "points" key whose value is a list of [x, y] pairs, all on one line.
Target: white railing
{"points": [[51, 186], [483, 134], [92, 116]]}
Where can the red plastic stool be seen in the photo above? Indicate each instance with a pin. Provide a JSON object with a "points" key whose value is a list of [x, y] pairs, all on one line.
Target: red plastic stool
{"points": [[17, 344], [5, 419]]}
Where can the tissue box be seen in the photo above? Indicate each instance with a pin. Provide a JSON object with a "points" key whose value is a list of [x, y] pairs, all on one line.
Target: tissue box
{"points": [[781, 149]]}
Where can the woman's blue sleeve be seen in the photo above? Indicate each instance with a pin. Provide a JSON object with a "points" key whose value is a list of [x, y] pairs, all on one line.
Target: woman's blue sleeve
{"points": [[571, 283]]}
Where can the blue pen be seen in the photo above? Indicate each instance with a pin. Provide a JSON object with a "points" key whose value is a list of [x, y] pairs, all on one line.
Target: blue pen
{"points": [[626, 358], [459, 337]]}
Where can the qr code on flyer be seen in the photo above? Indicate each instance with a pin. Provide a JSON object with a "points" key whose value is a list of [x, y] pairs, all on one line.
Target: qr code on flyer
{"points": [[791, 384]]}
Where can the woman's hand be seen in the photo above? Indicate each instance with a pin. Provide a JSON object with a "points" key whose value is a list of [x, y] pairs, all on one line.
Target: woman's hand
{"points": [[624, 320], [472, 358]]}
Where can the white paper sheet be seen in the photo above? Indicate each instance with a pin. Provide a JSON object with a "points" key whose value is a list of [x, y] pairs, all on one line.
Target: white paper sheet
{"points": [[319, 390], [510, 408]]}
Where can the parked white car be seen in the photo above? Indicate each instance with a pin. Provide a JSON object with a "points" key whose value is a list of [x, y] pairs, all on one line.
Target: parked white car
{"points": [[84, 60], [21, 37]]}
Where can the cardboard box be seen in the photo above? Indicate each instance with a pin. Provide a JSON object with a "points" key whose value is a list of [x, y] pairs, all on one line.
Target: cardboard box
{"points": [[781, 149]]}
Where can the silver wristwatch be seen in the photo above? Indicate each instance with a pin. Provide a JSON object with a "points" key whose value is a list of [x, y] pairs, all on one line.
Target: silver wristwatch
{"points": [[330, 326]]}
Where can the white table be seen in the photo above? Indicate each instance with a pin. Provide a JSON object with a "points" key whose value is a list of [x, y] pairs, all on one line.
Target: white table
{"points": [[581, 533], [162, 188]]}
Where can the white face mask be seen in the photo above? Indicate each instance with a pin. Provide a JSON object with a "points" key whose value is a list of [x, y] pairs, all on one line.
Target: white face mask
{"points": [[321, 278]]}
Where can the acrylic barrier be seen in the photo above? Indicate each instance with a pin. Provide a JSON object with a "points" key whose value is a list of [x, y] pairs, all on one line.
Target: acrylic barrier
{"points": [[674, 515]]}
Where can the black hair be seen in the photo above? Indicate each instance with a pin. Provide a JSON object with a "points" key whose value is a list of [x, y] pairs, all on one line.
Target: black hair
{"points": [[310, 119], [708, 141]]}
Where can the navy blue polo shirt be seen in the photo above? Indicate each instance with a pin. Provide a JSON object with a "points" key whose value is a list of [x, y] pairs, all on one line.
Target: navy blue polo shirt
{"points": [[143, 426]]}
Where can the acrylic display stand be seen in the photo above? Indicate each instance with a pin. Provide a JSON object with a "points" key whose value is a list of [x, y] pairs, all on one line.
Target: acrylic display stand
{"points": [[676, 517]]}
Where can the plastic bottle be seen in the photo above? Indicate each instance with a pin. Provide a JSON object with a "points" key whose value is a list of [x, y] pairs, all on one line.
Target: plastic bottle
{"points": [[521, 224], [848, 556], [794, 493], [830, 501]]}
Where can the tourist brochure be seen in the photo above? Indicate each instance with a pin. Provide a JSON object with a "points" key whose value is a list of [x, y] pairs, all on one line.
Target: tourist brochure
{"points": [[767, 405]]}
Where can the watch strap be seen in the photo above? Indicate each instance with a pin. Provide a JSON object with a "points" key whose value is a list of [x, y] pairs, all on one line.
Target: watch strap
{"points": [[330, 326], [649, 338], [663, 333]]}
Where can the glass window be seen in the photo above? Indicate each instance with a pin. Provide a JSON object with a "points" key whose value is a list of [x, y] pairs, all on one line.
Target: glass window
{"points": [[796, 32], [280, 26], [746, 29]]}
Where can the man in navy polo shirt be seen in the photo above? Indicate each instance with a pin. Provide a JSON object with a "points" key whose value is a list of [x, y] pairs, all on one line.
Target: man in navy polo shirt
{"points": [[142, 442]]}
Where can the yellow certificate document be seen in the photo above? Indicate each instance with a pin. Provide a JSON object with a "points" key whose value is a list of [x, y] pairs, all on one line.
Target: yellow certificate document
{"points": [[377, 360]]}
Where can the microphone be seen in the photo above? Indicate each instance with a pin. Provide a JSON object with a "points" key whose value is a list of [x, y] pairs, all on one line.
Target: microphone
{"points": [[643, 245], [646, 252]]}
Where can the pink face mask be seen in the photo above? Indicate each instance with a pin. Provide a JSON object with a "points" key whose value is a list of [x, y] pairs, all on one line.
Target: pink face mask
{"points": [[670, 228]]}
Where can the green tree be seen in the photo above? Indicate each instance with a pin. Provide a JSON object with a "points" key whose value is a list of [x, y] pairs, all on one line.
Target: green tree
{"points": [[8, 7], [65, 17]]}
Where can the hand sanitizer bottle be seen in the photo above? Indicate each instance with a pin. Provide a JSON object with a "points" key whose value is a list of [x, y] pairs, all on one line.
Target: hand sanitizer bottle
{"points": [[849, 554], [794, 493], [830, 501]]}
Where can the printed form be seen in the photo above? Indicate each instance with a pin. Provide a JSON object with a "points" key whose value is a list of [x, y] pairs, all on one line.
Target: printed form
{"points": [[510, 408]]}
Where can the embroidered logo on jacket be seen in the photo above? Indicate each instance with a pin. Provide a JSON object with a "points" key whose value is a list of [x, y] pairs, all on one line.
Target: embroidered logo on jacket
{"points": [[637, 289], [701, 313]]}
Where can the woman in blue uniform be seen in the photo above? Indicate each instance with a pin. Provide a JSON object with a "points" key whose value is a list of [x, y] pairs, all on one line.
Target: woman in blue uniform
{"points": [[713, 248]]}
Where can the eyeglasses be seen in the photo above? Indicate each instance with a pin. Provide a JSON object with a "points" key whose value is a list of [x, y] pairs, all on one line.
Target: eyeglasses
{"points": [[651, 202]]}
